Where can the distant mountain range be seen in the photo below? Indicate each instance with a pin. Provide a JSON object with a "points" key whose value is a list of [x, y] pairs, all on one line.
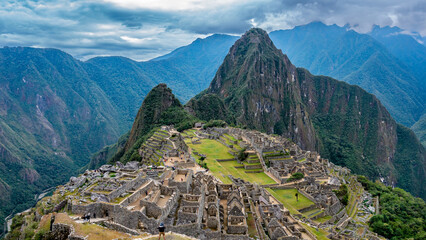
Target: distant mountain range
{"points": [[55, 111], [397, 80]]}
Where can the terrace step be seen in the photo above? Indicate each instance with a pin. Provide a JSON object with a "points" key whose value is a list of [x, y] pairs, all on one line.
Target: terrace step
{"points": [[253, 161], [315, 213], [249, 167], [259, 170]]}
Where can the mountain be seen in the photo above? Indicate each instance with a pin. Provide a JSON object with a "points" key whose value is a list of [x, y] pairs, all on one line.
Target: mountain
{"points": [[160, 107], [52, 117], [357, 59], [405, 47], [259, 88], [420, 129], [55, 111], [188, 70], [254, 63]]}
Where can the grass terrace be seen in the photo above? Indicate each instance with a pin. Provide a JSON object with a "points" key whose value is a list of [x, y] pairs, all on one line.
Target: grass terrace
{"points": [[320, 234], [323, 219], [215, 150], [288, 199], [189, 133]]}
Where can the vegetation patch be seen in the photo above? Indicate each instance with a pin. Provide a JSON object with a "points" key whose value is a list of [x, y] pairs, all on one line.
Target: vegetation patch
{"points": [[401, 215], [295, 176], [342, 194]]}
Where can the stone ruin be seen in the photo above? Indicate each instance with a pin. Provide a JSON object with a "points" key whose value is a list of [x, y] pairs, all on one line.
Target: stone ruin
{"points": [[139, 197]]}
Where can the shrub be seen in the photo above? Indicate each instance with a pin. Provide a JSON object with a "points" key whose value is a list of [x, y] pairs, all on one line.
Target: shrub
{"points": [[214, 123], [342, 194], [242, 155], [296, 176]]}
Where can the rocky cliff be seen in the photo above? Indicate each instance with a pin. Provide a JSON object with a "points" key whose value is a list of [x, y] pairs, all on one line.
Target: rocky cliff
{"points": [[260, 89]]}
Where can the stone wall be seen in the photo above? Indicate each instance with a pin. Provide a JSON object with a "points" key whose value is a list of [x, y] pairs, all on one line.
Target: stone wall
{"points": [[119, 227], [334, 208], [137, 194], [59, 206], [234, 237], [185, 165], [308, 196], [182, 186], [237, 229], [126, 187], [64, 231], [153, 210]]}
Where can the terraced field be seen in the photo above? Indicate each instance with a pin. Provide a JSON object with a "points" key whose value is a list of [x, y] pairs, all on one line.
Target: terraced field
{"points": [[215, 150], [288, 199]]}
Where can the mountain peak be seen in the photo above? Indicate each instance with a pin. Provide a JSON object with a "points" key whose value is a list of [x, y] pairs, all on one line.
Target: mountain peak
{"points": [[158, 100], [260, 86], [255, 35]]}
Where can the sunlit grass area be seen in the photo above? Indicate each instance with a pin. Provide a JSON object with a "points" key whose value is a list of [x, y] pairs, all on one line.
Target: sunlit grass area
{"points": [[320, 233], [323, 219], [288, 199], [215, 150], [93, 231]]}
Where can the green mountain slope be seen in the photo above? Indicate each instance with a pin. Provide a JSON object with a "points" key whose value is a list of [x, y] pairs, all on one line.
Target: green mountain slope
{"points": [[187, 70], [52, 117], [420, 129], [55, 111], [261, 89], [160, 107], [405, 47], [357, 59]]}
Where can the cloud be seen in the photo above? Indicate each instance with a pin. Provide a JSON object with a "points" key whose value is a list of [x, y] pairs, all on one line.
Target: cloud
{"points": [[143, 29]]}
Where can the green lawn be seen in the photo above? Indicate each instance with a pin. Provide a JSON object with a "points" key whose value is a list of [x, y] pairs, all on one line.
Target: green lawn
{"points": [[288, 199], [215, 150], [230, 137], [189, 133], [323, 219], [315, 210], [321, 234]]}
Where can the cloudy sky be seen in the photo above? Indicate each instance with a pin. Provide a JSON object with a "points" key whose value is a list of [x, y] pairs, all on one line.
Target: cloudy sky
{"points": [[143, 29]]}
